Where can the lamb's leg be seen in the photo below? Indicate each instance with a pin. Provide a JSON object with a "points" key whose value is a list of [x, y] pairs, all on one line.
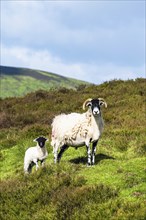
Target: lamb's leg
{"points": [[36, 163], [63, 148], [28, 168], [89, 154], [94, 151], [42, 163]]}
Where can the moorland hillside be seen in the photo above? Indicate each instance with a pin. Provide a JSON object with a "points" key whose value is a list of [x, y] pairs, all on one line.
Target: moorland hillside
{"points": [[115, 188]]}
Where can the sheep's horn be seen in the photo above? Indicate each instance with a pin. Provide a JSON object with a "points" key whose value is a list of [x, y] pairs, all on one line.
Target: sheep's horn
{"points": [[86, 103], [103, 102]]}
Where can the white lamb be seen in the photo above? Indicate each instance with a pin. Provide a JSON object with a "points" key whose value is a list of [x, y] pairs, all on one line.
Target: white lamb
{"points": [[35, 154]]}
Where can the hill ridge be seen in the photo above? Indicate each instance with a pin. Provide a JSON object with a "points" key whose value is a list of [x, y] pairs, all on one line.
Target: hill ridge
{"points": [[10, 70], [17, 81]]}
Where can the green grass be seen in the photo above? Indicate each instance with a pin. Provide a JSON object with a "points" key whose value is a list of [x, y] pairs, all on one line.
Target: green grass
{"points": [[113, 189]]}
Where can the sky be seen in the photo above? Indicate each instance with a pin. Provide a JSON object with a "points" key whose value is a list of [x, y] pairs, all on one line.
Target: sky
{"points": [[94, 41]]}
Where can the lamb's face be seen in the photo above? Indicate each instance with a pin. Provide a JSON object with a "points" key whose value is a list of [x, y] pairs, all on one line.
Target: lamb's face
{"points": [[41, 141]]}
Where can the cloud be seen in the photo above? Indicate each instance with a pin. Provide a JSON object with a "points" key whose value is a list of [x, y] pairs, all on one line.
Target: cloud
{"points": [[42, 60], [91, 72], [82, 39]]}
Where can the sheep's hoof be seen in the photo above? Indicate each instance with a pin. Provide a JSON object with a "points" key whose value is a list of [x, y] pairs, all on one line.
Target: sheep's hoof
{"points": [[88, 165], [26, 173], [93, 164]]}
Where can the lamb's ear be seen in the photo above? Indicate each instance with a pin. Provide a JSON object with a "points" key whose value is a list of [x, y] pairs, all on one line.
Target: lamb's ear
{"points": [[35, 140]]}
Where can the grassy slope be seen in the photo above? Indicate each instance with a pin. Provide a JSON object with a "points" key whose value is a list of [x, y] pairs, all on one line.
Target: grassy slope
{"points": [[115, 188], [20, 81]]}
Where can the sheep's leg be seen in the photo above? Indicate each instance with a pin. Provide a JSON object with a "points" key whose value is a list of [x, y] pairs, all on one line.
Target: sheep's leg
{"points": [[55, 152], [89, 154], [63, 148], [94, 151], [37, 166]]}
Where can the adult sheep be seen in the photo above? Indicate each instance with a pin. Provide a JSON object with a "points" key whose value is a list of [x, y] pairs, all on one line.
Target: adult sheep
{"points": [[35, 154], [78, 130]]}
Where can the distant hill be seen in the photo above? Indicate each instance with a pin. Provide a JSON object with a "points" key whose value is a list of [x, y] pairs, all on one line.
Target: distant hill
{"points": [[20, 81]]}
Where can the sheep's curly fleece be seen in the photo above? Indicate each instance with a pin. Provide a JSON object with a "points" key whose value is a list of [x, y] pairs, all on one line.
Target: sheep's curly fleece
{"points": [[65, 128]]}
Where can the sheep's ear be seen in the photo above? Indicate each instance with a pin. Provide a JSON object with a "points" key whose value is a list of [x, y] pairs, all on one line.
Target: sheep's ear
{"points": [[87, 103], [102, 102]]}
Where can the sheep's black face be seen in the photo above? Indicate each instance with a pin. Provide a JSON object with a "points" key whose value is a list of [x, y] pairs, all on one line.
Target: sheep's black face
{"points": [[95, 106], [41, 141]]}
